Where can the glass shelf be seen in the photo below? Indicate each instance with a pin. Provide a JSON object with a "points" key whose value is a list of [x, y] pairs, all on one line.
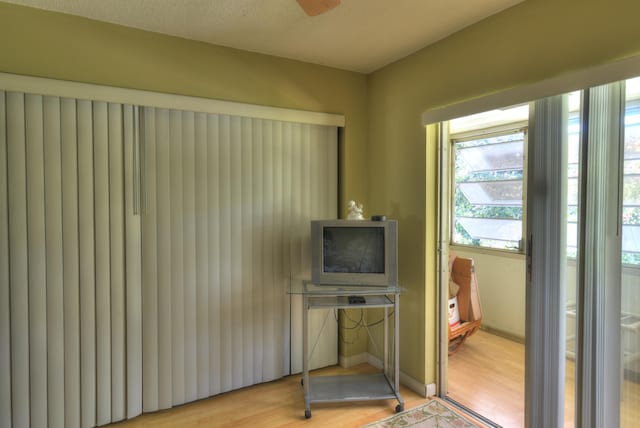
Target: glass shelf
{"points": [[305, 286]]}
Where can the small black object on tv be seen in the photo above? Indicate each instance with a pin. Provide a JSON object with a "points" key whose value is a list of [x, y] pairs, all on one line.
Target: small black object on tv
{"points": [[354, 252]]}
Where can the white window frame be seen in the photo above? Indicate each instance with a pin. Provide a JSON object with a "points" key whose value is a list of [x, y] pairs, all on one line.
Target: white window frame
{"points": [[504, 129]]}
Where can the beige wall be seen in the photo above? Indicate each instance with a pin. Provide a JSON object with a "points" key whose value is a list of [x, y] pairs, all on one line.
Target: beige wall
{"points": [[39, 43], [532, 41]]}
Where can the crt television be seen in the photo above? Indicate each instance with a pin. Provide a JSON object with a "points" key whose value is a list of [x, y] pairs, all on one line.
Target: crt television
{"points": [[354, 252]]}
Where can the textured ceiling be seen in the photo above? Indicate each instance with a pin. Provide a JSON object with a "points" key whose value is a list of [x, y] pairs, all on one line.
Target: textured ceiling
{"points": [[358, 35]]}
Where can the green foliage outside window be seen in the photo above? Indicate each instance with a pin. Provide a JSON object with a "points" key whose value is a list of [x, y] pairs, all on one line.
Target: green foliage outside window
{"points": [[491, 171]]}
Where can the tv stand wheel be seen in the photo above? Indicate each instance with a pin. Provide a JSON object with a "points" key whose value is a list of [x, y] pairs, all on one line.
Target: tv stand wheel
{"points": [[399, 408], [307, 414]]}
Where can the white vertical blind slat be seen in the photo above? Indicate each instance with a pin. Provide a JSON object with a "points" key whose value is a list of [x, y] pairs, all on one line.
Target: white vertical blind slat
{"points": [[87, 264], [266, 220], [103, 262], [202, 255], [18, 266], [53, 244], [117, 261], [304, 137], [246, 257], [189, 256], [321, 152], [164, 231], [150, 249], [292, 248], [37, 261], [331, 169], [296, 195], [70, 256], [5, 317], [133, 263], [235, 227], [214, 215], [226, 285], [280, 273], [177, 265], [315, 163], [288, 348], [257, 214]]}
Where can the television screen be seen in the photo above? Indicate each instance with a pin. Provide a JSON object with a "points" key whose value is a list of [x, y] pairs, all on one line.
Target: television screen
{"points": [[354, 252], [353, 249]]}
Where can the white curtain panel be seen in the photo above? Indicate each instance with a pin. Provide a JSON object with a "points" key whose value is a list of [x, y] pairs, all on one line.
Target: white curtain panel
{"points": [[144, 259]]}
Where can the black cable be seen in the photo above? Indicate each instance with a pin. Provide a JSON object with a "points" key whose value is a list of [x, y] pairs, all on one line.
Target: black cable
{"points": [[379, 321], [360, 322], [356, 324]]}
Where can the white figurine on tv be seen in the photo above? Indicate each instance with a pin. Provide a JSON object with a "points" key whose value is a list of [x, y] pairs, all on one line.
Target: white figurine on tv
{"points": [[355, 211]]}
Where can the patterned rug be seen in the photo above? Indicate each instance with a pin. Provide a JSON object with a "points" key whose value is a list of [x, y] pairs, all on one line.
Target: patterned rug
{"points": [[433, 414]]}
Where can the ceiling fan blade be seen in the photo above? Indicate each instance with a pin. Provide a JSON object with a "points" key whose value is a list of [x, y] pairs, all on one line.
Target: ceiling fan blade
{"points": [[316, 7]]}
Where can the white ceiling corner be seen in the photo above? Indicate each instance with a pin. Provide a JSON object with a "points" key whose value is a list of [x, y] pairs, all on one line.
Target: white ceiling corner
{"points": [[358, 35]]}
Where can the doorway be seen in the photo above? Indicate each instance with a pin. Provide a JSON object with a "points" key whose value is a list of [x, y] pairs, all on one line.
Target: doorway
{"points": [[483, 182]]}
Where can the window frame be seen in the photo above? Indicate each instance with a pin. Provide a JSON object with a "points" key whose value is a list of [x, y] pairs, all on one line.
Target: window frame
{"points": [[488, 132]]}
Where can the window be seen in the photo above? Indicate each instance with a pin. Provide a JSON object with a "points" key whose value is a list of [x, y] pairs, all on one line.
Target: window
{"points": [[488, 189], [631, 181], [631, 178], [573, 173]]}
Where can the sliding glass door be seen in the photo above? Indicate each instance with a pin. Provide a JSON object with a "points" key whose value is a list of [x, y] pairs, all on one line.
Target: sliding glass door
{"points": [[630, 262], [583, 169], [574, 137], [582, 243]]}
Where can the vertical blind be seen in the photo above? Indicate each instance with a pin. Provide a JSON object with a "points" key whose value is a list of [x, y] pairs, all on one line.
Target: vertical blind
{"points": [[65, 253], [546, 259], [599, 375], [226, 204], [599, 359], [145, 268]]}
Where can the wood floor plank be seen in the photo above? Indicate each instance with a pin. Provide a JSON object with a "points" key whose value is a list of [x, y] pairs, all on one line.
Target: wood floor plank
{"points": [[274, 404], [487, 376]]}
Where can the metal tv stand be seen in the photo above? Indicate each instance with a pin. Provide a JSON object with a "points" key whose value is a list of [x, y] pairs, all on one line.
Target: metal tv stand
{"points": [[359, 387]]}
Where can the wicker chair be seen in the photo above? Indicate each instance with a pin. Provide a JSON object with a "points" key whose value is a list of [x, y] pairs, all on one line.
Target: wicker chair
{"points": [[464, 275]]}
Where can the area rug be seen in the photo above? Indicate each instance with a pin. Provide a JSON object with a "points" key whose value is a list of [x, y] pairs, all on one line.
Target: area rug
{"points": [[433, 414]]}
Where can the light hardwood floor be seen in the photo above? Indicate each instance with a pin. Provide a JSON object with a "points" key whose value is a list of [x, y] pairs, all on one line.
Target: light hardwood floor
{"points": [[274, 404], [487, 375]]}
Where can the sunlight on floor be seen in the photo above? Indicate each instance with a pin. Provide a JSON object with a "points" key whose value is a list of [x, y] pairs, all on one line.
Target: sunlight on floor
{"points": [[487, 375]]}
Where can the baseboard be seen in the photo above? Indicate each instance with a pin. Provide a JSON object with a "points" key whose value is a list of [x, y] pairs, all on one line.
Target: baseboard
{"points": [[431, 390], [417, 387], [501, 333]]}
